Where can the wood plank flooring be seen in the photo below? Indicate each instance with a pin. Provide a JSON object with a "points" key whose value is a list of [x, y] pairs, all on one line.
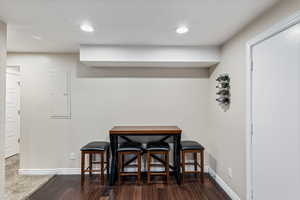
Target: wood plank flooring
{"points": [[67, 187]]}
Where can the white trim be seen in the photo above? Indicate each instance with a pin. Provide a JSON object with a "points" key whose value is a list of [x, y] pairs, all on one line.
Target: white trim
{"points": [[248, 122], [68, 171], [37, 171], [277, 28], [206, 169], [223, 184], [59, 171]]}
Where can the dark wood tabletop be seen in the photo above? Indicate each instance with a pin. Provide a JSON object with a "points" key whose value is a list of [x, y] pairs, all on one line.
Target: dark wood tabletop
{"points": [[151, 130]]}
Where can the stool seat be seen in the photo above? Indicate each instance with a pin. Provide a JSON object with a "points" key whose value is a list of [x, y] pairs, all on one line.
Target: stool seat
{"points": [[158, 146], [92, 149], [95, 146], [194, 148], [191, 145], [153, 149], [130, 146]]}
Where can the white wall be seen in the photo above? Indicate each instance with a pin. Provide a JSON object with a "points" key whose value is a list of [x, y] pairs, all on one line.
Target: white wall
{"points": [[227, 134], [98, 103], [2, 102]]}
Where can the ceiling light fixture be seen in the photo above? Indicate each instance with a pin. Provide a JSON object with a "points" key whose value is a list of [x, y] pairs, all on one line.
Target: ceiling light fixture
{"points": [[87, 28], [182, 30], [37, 37], [295, 30]]}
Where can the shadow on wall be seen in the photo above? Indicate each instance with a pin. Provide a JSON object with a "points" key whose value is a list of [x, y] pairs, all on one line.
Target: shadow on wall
{"points": [[211, 70], [140, 72], [212, 163]]}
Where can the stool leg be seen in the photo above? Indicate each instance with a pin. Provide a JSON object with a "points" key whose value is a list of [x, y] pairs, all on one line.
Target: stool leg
{"points": [[167, 166], [107, 162], [120, 167], [148, 167], [139, 167], [82, 167], [202, 166], [102, 167], [90, 163], [183, 165], [123, 161], [195, 163]]}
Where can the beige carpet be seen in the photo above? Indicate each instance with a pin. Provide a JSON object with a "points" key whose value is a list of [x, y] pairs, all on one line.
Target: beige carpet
{"points": [[19, 187]]}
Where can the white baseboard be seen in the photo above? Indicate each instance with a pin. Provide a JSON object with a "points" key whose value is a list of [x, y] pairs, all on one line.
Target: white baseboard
{"points": [[206, 168], [222, 184], [37, 171], [68, 171], [60, 171]]}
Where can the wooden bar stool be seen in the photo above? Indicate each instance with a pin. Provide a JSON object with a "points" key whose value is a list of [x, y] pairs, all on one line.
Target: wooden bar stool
{"points": [[154, 149], [194, 148], [92, 149], [129, 148]]}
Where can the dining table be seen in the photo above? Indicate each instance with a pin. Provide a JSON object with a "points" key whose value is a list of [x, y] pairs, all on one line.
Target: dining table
{"points": [[171, 134]]}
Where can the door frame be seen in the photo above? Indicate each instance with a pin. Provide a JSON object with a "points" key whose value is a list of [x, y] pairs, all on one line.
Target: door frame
{"points": [[274, 30], [14, 70]]}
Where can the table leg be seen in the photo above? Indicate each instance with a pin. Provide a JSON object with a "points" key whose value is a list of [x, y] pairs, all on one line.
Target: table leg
{"points": [[177, 158], [113, 165]]}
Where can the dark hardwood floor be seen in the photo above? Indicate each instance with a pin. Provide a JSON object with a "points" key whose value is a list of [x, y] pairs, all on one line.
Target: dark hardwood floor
{"points": [[67, 187]]}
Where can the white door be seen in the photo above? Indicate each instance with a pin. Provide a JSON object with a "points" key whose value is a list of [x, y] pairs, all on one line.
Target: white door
{"points": [[276, 117], [12, 128]]}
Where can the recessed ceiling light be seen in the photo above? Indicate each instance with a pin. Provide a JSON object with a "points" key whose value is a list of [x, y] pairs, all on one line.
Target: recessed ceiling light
{"points": [[87, 28], [295, 30], [182, 30], [36, 37]]}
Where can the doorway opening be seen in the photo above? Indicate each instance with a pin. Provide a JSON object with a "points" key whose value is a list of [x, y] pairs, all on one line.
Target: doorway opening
{"points": [[12, 112], [17, 186]]}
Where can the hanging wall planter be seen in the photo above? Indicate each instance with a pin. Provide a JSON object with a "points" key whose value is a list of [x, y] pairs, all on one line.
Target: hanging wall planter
{"points": [[223, 93]]}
